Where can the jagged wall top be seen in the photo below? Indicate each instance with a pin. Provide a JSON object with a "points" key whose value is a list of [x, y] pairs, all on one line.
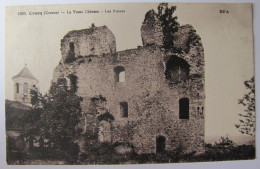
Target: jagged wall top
{"points": [[151, 30], [85, 42]]}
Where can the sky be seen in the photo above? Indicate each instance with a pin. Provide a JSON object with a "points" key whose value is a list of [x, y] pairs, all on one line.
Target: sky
{"points": [[227, 40]]}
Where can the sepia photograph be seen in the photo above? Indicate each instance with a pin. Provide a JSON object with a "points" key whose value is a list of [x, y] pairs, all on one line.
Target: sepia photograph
{"points": [[129, 83]]}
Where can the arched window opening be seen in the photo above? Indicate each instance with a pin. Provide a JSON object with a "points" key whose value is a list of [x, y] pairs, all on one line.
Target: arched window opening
{"points": [[160, 144], [25, 88], [120, 74], [124, 109], [177, 69], [17, 87], [184, 108]]}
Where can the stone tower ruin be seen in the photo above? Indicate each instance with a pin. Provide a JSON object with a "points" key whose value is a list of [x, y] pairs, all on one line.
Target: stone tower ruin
{"points": [[93, 41], [156, 96]]}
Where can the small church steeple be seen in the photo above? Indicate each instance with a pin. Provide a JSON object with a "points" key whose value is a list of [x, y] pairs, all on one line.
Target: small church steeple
{"points": [[24, 81]]}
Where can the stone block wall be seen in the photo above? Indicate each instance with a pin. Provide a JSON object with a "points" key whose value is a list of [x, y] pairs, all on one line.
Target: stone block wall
{"points": [[190, 43], [153, 102], [92, 41], [151, 30]]}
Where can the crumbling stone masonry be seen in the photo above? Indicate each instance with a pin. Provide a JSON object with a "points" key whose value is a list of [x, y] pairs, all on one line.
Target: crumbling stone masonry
{"points": [[155, 96]]}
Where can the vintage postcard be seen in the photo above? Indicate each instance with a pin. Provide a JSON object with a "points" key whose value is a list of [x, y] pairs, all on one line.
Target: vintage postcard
{"points": [[132, 83]]}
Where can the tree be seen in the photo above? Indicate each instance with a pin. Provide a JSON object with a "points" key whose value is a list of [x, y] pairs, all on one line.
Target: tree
{"points": [[169, 23], [60, 113], [247, 122]]}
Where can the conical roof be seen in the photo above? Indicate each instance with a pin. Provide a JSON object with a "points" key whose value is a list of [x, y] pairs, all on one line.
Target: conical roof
{"points": [[25, 72]]}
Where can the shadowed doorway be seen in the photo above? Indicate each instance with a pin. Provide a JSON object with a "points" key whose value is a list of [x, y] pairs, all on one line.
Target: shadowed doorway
{"points": [[160, 144]]}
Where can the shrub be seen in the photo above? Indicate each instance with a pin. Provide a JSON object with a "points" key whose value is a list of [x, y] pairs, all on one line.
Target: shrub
{"points": [[106, 116]]}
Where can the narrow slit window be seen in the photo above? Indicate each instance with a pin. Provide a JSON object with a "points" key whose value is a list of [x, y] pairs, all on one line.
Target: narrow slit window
{"points": [[17, 87], [72, 48]]}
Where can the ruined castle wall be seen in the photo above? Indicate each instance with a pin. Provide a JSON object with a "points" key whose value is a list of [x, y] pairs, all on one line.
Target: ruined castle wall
{"points": [[160, 117], [153, 99], [93, 41], [151, 30], [190, 43], [153, 103]]}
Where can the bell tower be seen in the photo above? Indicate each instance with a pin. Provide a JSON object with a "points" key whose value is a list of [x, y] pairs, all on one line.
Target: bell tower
{"points": [[24, 81]]}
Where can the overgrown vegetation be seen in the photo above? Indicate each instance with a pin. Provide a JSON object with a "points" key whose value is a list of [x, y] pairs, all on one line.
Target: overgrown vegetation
{"points": [[247, 122], [223, 150], [106, 117], [169, 24], [54, 130], [15, 150], [99, 99], [226, 149]]}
